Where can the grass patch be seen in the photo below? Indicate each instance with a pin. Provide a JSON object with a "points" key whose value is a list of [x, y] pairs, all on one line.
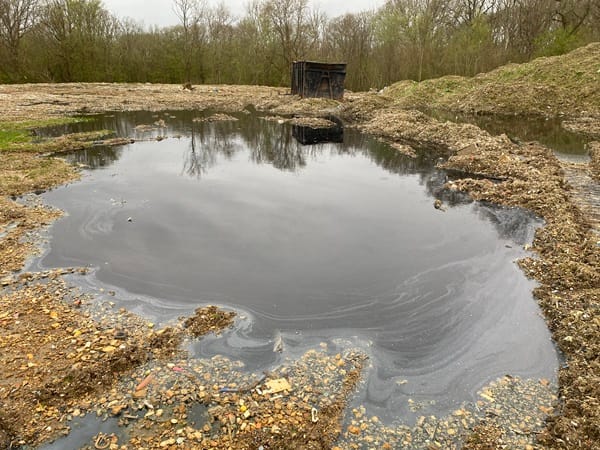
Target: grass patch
{"points": [[12, 136], [24, 162], [18, 133]]}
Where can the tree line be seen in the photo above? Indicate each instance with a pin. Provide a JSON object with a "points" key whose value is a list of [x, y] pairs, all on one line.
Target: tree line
{"points": [[80, 40]]}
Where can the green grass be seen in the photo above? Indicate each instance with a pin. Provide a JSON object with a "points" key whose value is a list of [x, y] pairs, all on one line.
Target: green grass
{"points": [[15, 133], [12, 136], [31, 124]]}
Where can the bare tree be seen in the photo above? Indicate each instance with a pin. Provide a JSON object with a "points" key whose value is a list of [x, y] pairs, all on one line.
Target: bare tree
{"points": [[410, 30], [79, 40], [572, 14], [190, 14], [466, 11], [349, 38], [16, 19], [295, 29], [220, 34], [79, 35]]}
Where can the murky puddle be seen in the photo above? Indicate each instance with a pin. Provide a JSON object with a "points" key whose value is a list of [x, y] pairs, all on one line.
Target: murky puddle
{"points": [[84, 430], [549, 132], [333, 242]]}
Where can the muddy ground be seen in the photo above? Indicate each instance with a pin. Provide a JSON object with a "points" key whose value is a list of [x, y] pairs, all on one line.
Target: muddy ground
{"points": [[62, 354]]}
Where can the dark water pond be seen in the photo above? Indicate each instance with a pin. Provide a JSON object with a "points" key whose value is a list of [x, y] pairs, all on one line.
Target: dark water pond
{"points": [[334, 242], [549, 132]]}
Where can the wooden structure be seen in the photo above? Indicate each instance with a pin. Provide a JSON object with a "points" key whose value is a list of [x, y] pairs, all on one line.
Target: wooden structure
{"points": [[314, 79]]}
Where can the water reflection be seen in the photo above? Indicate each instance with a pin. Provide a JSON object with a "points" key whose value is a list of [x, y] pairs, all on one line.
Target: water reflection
{"points": [[515, 224], [308, 135], [269, 142], [547, 131], [206, 143], [84, 430], [96, 157]]}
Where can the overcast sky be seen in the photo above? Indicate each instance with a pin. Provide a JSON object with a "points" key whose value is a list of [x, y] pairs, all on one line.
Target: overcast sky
{"points": [[160, 12]]}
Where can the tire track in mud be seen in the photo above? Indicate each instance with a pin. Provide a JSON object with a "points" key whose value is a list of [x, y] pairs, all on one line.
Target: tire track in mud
{"points": [[585, 192]]}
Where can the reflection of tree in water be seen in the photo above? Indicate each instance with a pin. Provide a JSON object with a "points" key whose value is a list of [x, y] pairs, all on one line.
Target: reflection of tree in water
{"points": [[271, 143], [206, 144], [96, 157], [395, 161], [266, 142], [511, 223], [547, 131], [274, 144], [423, 165]]}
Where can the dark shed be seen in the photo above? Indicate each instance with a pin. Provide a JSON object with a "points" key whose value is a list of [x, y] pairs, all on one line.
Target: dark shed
{"points": [[314, 79]]}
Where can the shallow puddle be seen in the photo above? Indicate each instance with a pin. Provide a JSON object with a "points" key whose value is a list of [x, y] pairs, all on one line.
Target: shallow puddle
{"points": [[87, 432], [549, 132], [334, 242]]}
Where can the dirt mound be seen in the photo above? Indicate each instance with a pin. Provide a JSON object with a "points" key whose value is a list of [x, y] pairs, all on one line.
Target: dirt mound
{"points": [[557, 85]]}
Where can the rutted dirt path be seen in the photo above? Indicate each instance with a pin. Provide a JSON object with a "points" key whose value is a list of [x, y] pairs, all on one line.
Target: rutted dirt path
{"points": [[585, 191]]}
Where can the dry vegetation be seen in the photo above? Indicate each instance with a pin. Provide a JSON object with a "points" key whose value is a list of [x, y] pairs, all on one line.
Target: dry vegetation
{"points": [[45, 357], [564, 85]]}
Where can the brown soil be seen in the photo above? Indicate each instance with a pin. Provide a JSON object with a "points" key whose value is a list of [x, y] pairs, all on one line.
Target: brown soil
{"points": [[484, 437], [54, 357], [52, 354], [16, 221]]}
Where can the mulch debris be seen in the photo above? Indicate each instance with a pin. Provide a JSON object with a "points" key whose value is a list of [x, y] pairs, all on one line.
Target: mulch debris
{"points": [[209, 319]]}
